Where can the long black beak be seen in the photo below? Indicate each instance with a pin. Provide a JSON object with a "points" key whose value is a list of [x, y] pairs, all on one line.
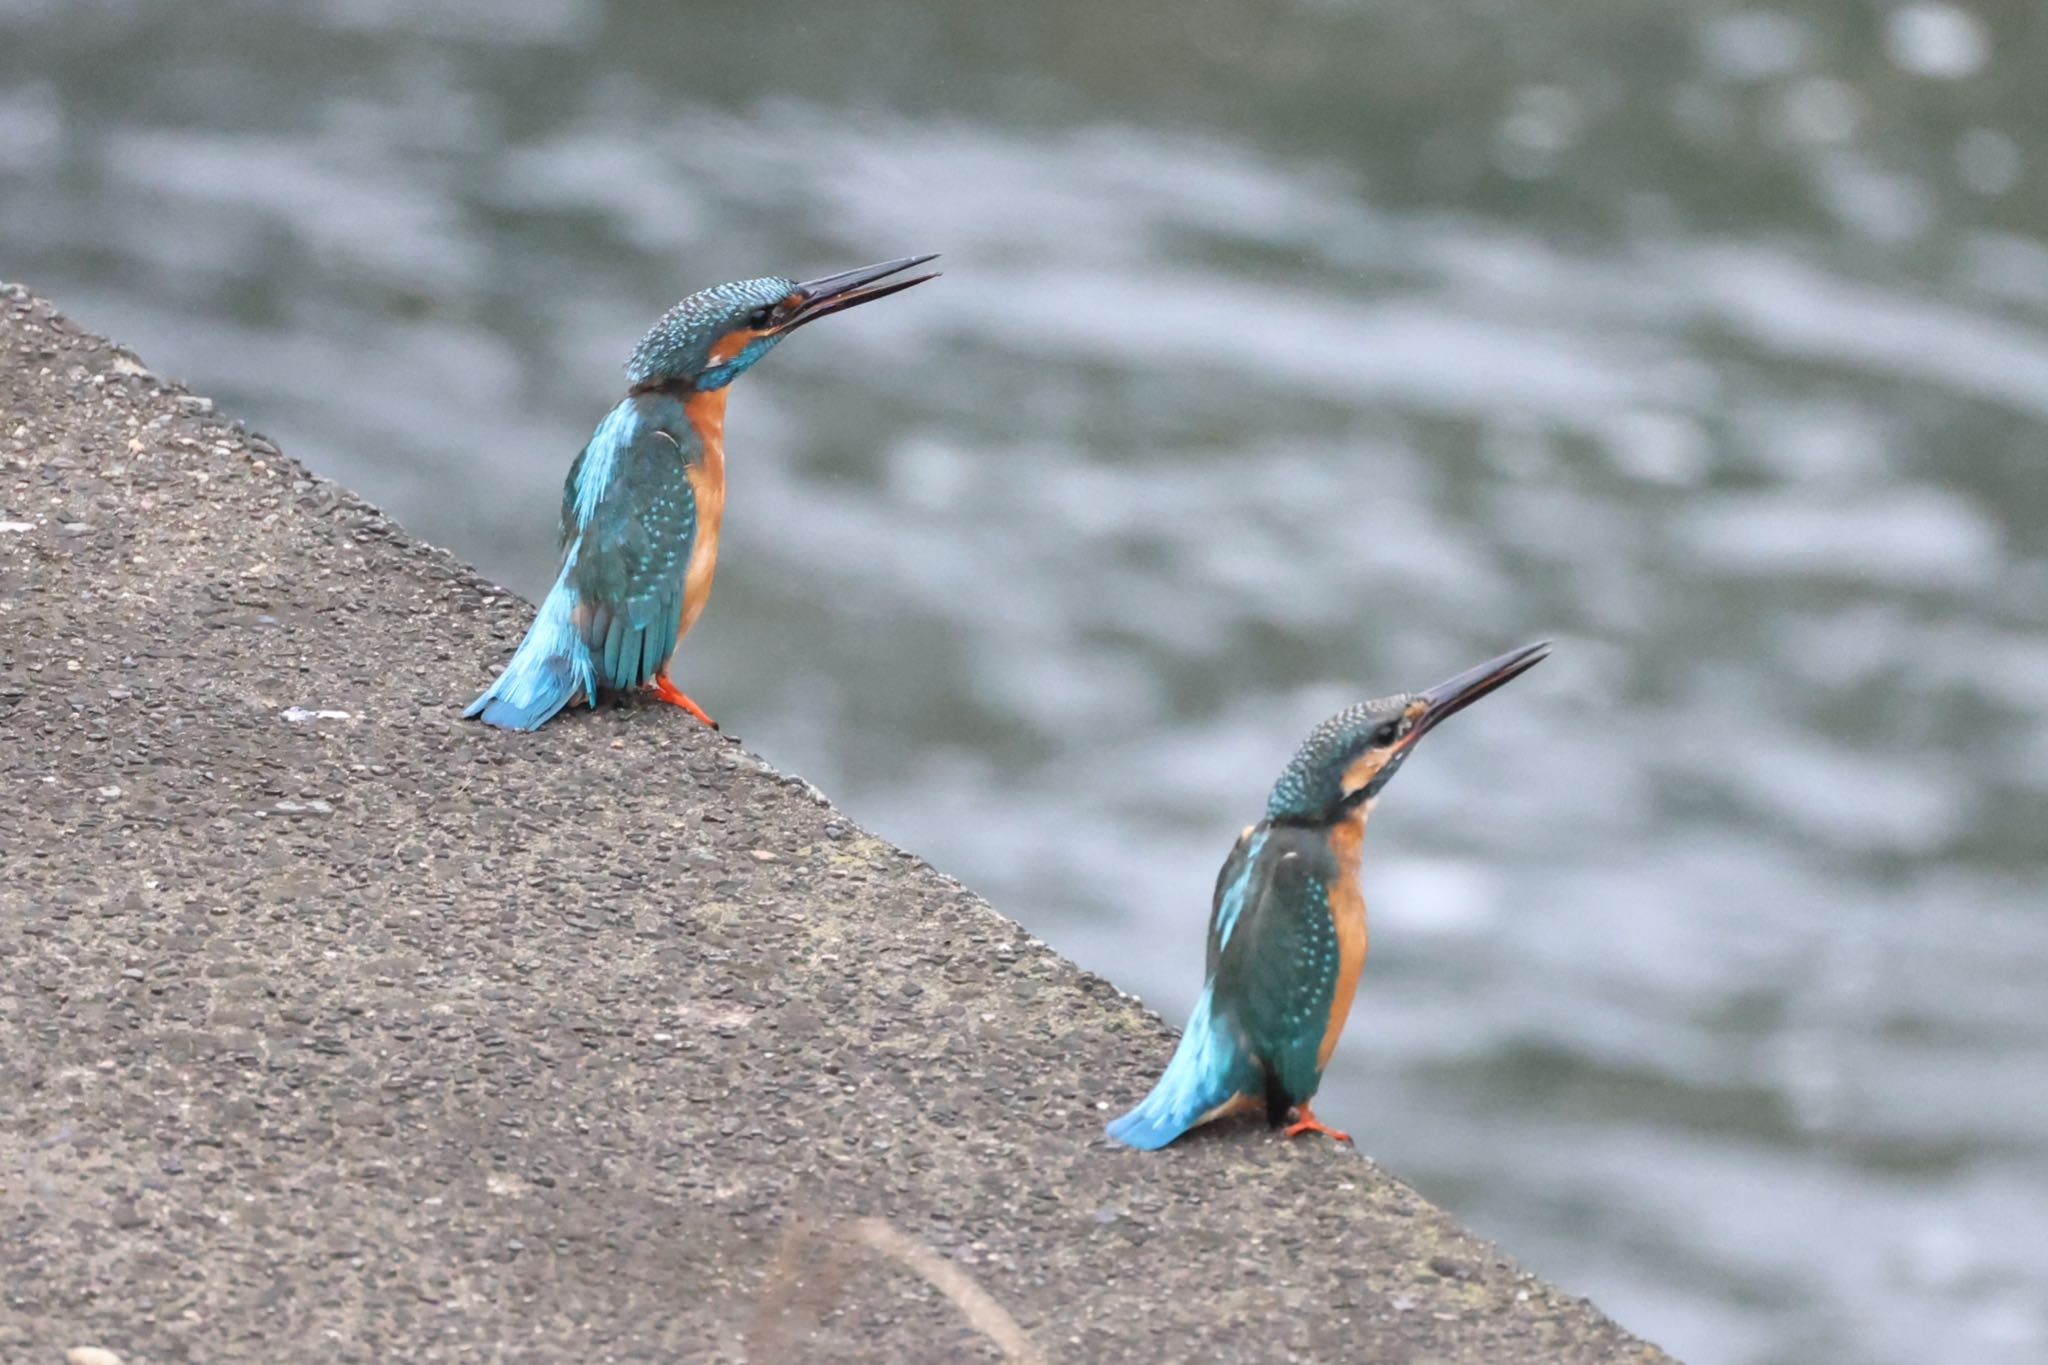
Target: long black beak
{"points": [[1453, 695], [849, 288]]}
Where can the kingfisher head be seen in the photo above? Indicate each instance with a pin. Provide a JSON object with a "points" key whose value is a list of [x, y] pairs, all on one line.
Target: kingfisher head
{"points": [[1347, 759], [712, 337]]}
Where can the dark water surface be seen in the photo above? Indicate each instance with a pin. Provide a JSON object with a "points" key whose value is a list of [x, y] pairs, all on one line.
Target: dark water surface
{"points": [[1289, 351]]}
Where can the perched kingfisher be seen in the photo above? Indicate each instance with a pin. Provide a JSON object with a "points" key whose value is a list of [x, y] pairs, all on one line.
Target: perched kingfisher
{"points": [[1287, 929], [641, 509]]}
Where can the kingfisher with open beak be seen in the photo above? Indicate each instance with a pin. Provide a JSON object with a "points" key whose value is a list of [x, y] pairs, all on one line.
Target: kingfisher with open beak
{"points": [[1287, 927], [641, 509]]}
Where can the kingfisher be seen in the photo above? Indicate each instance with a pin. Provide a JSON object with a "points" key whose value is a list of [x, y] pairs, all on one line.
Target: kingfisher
{"points": [[1287, 926], [643, 502]]}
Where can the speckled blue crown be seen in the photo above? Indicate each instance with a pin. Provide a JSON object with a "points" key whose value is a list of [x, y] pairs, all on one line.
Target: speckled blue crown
{"points": [[1313, 780], [679, 345]]}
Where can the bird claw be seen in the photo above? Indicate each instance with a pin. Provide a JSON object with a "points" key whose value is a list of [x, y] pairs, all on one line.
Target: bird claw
{"points": [[675, 696], [1307, 1122]]}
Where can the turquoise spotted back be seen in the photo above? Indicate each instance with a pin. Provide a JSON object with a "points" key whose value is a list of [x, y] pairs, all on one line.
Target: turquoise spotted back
{"points": [[629, 518], [1275, 971]]}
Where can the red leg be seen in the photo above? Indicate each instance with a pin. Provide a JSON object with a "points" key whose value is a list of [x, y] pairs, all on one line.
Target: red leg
{"points": [[1307, 1122], [673, 695]]}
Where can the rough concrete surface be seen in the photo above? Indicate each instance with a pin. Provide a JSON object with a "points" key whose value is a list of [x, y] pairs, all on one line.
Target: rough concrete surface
{"points": [[359, 1032]]}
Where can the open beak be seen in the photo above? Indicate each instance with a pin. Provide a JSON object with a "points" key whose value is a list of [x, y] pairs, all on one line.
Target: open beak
{"points": [[1453, 695], [849, 288]]}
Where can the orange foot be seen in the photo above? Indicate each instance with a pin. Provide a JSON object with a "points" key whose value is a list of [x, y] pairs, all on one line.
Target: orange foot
{"points": [[673, 695], [1307, 1122]]}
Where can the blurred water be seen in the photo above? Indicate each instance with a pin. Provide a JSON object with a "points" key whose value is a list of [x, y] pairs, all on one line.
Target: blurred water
{"points": [[1288, 352]]}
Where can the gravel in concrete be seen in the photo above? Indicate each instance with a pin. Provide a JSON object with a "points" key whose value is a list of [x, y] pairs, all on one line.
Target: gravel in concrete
{"points": [[335, 1027]]}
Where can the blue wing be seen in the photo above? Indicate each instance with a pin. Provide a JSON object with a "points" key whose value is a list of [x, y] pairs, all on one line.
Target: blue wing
{"points": [[1258, 1025], [629, 523], [1213, 1068], [1276, 970], [1233, 884]]}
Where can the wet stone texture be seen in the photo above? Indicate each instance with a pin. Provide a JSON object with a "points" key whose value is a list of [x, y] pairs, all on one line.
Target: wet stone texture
{"points": [[335, 1027]]}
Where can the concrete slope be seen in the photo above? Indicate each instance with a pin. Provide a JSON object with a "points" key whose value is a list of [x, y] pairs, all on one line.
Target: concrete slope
{"points": [[333, 1027]]}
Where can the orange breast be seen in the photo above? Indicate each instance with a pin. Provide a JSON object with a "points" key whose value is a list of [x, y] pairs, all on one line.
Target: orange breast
{"points": [[706, 412], [1347, 908]]}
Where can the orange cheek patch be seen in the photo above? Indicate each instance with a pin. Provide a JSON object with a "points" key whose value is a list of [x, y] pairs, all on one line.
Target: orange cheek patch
{"points": [[1361, 770], [731, 344]]}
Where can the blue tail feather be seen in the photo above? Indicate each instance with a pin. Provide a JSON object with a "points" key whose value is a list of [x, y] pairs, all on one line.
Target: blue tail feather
{"points": [[1208, 1071], [551, 667]]}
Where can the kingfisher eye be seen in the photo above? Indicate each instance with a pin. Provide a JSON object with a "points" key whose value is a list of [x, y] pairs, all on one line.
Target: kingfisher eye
{"points": [[760, 318], [1389, 732]]}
